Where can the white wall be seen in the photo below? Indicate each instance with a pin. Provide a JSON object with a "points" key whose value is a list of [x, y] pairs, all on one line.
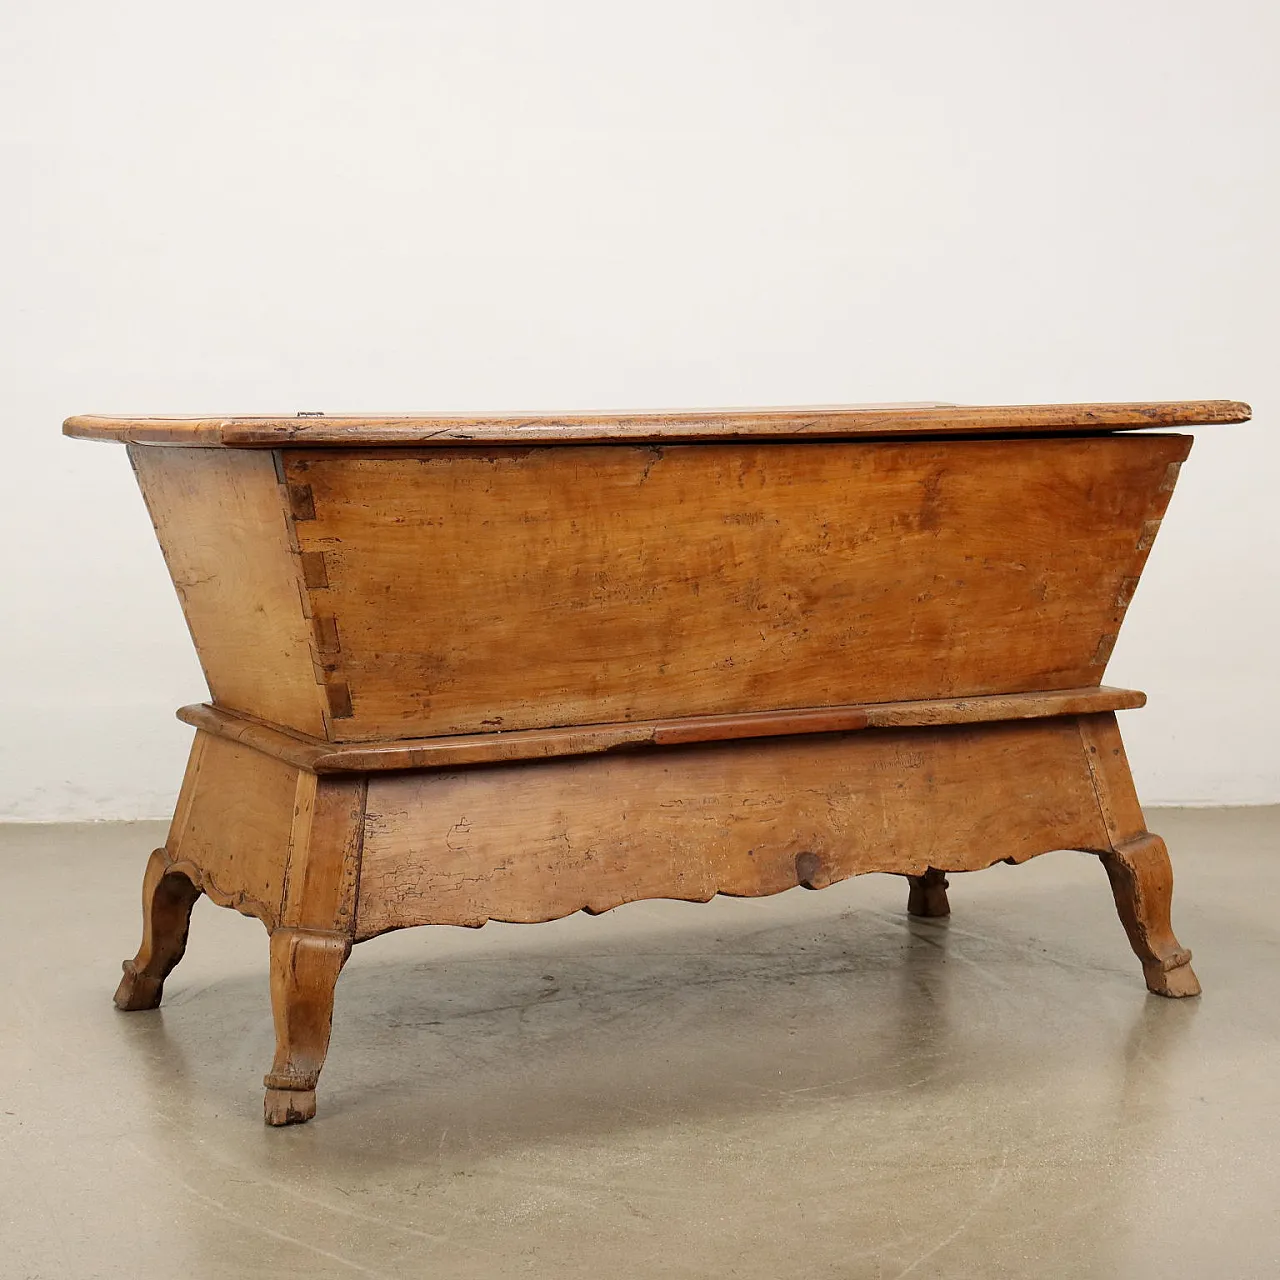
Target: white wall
{"points": [[480, 205]]}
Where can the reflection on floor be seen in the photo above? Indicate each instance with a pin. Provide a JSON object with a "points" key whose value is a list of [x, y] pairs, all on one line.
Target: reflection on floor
{"points": [[813, 1085]]}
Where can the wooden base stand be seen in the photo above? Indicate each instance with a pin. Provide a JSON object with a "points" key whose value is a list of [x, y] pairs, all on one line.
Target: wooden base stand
{"points": [[327, 854]]}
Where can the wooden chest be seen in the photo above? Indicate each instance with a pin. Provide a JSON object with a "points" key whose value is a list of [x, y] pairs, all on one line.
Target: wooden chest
{"points": [[513, 667]]}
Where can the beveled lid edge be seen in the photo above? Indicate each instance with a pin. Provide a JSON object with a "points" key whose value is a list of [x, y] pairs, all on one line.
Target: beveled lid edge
{"points": [[657, 426]]}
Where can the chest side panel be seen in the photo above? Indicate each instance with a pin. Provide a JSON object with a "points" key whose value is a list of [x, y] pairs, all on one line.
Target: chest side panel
{"points": [[221, 518]]}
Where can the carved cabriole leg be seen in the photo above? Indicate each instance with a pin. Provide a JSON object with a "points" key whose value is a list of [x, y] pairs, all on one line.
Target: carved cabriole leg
{"points": [[314, 938], [304, 970], [1142, 881], [272, 840], [167, 899], [928, 895], [1137, 864]]}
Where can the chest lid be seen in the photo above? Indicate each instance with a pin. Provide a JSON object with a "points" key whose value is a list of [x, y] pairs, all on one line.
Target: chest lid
{"points": [[880, 421]]}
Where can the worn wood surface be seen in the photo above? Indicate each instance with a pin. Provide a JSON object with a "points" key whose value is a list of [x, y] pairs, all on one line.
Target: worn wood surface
{"points": [[1136, 862], [267, 836], [304, 970], [1112, 778], [327, 860], [322, 757], [1142, 881], [325, 838], [812, 422], [455, 684], [277, 842], [530, 842], [221, 521], [167, 899], [516, 589], [232, 827]]}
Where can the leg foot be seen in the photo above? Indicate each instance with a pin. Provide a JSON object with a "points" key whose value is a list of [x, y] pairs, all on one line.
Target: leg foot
{"points": [[928, 895], [1142, 882], [304, 970], [289, 1106], [167, 899]]}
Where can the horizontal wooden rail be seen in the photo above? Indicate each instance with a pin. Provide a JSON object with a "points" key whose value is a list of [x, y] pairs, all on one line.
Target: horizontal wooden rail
{"points": [[531, 744]]}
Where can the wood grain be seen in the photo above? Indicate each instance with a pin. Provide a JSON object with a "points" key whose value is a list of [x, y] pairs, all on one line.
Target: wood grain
{"points": [[460, 677], [1142, 882], [811, 422], [515, 589], [167, 899], [530, 842], [1136, 862], [324, 854], [220, 519], [322, 757], [1112, 778], [304, 969], [231, 833]]}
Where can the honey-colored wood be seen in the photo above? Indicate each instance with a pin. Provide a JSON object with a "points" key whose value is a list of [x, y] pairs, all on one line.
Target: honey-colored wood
{"points": [[167, 899], [304, 970], [1136, 862], [324, 854], [279, 843], [490, 748], [220, 519], [356, 854], [314, 940], [231, 832], [1112, 778], [458, 676], [1142, 882], [1015, 706], [531, 842], [812, 422], [513, 589]]}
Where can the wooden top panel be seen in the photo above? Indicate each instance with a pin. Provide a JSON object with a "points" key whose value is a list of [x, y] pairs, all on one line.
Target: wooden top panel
{"points": [[659, 425]]}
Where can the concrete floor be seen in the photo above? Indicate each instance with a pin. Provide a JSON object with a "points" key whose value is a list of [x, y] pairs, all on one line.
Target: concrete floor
{"points": [[813, 1085]]}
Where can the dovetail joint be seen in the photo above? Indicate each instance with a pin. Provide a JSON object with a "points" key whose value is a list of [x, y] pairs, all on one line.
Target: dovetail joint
{"points": [[314, 571], [1127, 587], [326, 628], [339, 695], [1149, 531], [302, 502]]}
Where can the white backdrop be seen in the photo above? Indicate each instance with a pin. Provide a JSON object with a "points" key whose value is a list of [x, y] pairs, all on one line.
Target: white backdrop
{"points": [[479, 205]]}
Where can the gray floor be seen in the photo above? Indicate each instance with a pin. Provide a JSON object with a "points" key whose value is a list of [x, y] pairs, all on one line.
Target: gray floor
{"points": [[813, 1085]]}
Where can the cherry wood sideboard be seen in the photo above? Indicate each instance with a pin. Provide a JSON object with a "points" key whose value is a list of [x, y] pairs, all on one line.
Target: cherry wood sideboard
{"points": [[517, 666]]}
